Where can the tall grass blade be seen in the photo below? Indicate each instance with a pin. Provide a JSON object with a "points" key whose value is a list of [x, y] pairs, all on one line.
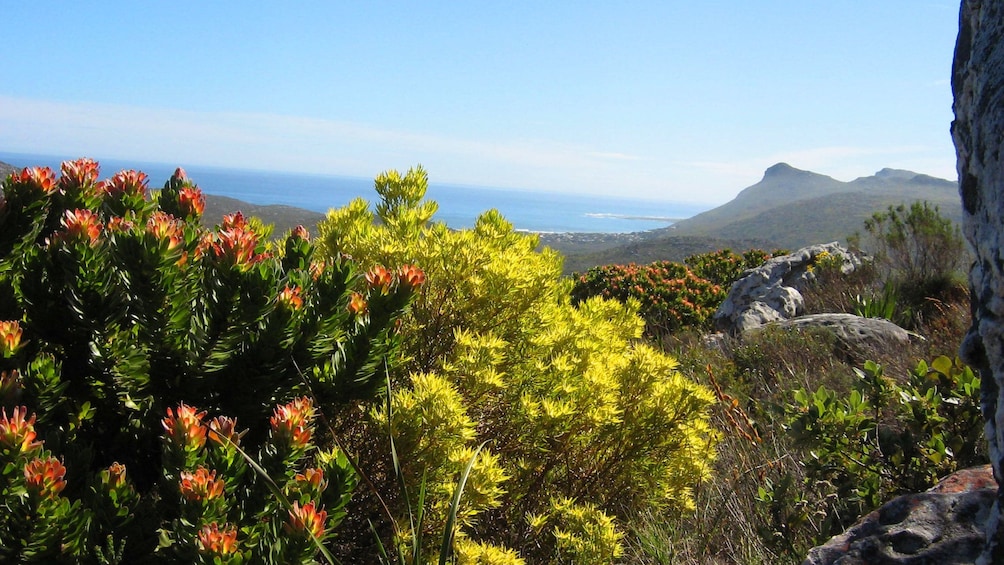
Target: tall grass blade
{"points": [[451, 521]]}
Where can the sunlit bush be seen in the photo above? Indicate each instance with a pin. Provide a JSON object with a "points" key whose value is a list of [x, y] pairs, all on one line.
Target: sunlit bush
{"points": [[123, 315], [584, 423]]}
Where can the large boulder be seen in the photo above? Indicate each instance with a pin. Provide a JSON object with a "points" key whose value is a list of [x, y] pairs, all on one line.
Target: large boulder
{"points": [[978, 132], [854, 332], [772, 291], [944, 525]]}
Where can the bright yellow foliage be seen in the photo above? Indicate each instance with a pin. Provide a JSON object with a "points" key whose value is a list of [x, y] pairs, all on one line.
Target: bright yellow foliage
{"points": [[584, 422]]}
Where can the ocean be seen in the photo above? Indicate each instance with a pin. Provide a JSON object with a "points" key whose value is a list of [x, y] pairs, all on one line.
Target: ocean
{"points": [[459, 206]]}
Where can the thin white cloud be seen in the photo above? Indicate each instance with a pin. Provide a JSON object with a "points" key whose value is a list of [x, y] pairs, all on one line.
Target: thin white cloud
{"points": [[290, 143]]}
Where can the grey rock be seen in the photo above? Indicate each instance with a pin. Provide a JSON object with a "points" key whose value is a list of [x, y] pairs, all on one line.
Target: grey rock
{"points": [[978, 87], [943, 525], [854, 331], [772, 291]]}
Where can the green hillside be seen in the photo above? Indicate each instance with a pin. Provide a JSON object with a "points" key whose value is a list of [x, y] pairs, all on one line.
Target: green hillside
{"points": [[793, 208]]}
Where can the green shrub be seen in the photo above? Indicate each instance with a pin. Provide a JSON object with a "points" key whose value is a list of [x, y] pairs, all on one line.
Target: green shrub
{"points": [[917, 244], [886, 438], [724, 267], [584, 423], [123, 314]]}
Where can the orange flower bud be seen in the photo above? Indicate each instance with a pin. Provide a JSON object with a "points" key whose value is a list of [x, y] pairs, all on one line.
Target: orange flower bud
{"points": [[292, 422], [185, 427], [357, 304], [379, 278], [16, 432], [307, 519], [201, 485], [216, 541], [45, 476], [165, 226], [81, 224], [224, 427], [290, 296], [411, 276], [42, 178], [191, 199], [10, 338], [126, 182], [78, 173]]}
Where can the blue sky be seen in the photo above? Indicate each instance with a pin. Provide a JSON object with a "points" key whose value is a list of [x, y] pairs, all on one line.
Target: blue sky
{"points": [[672, 100]]}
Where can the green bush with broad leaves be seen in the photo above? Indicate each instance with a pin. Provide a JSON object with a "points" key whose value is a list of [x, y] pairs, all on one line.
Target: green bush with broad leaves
{"points": [[885, 437], [161, 381]]}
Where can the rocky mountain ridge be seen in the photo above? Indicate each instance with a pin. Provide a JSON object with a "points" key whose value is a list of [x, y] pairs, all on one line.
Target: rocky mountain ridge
{"points": [[793, 208]]}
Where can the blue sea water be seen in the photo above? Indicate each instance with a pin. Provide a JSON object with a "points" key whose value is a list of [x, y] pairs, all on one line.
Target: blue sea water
{"points": [[459, 206]]}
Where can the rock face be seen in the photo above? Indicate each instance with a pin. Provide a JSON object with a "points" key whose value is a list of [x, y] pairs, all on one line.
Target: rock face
{"points": [[945, 525], [854, 331], [772, 291], [978, 88]]}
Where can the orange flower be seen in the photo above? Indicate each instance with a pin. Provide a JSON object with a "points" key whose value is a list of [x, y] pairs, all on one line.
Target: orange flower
{"points": [[411, 276], [42, 178], [10, 338], [200, 485], [78, 173], [291, 422], [16, 432], [307, 519], [317, 269], [220, 542], [237, 242], [81, 224], [114, 476], [119, 224], [313, 478], [126, 182], [224, 427], [185, 427], [191, 199], [45, 476], [234, 221], [357, 304], [379, 278], [165, 226], [290, 296]]}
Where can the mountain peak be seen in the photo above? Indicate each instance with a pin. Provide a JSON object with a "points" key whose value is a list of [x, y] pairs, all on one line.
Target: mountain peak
{"points": [[888, 173], [780, 169]]}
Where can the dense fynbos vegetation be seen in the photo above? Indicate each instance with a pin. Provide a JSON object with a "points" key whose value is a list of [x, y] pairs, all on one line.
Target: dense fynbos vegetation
{"points": [[176, 394], [144, 355], [671, 296]]}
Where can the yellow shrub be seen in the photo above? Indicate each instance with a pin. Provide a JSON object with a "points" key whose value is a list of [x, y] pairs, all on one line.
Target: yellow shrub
{"points": [[573, 405]]}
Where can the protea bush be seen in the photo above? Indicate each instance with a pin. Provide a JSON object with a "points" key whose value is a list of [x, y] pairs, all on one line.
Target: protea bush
{"points": [[669, 295], [161, 382]]}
